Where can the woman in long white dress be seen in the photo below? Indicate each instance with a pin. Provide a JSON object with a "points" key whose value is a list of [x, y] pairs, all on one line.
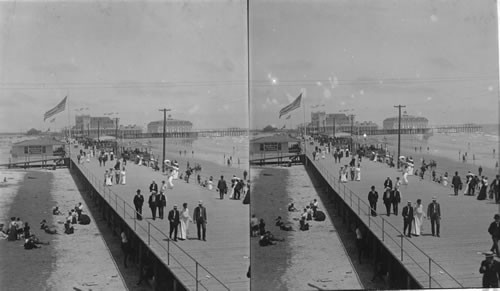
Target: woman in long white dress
{"points": [[210, 183], [418, 218], [405, 177], [109, 182], [466, 190], [358, 172], [171, 180], [343, 175], [185, 219], [123, 178]]}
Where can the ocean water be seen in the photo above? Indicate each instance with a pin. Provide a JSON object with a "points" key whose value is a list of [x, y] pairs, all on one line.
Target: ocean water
{"points": [[479, 145], [212, 149]]}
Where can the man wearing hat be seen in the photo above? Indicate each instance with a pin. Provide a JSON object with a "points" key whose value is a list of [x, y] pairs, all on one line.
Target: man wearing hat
{"points": [[372, 198], [395, 199], [387, 200], [174, 219], [434, 214], [490, 270], [138, 201], [407, 218], [200, 218], [494, 231]]}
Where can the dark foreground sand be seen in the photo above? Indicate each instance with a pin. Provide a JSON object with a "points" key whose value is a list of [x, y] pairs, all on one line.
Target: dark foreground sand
{"points": [[306, 258], [79, 260], [22, 269]]}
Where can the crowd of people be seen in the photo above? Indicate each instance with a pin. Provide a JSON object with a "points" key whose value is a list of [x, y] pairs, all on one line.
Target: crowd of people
{"points": [[16, 229]]}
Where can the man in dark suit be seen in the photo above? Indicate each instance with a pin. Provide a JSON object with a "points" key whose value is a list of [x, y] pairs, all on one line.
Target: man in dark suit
{"points": [[490, 270], [388, 183], [138, 201], [494, 231], [407, 218], [161, 203], [496, 188], [456, 182], [387, 200], [372, 198], [153, 204], [173, 218], [395, 199], [200, 218], [434, 214], [222, 186], [153, 187]]}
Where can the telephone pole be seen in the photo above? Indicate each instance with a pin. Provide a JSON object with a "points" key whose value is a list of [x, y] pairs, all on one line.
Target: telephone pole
{"points": [[352, 123], [399, 132], [164, 127]]}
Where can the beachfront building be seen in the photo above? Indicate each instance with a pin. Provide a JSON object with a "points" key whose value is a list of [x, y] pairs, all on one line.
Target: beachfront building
{"points": [[326, 124], [95, 126], [274, 145], [174, 127], [36, 149], [407, 122], [129, 131]]}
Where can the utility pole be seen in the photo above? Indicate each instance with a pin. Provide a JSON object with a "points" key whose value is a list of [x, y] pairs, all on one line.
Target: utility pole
{"points": [[164, 127], [352, 123], [399, 132], [116, 136]]}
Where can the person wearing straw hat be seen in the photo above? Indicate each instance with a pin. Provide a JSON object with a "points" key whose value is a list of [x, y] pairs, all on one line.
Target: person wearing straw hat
{"points": [[490, 270], [434, 214]]}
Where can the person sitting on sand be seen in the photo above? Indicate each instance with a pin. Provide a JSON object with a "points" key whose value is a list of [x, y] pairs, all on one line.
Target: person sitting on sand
{"points": [[303, 224], [55, 211], [68, 229], [267, 239], [282, 225], [48, 229], [30, 244], [262, 227], [254, 226], [291, 207], [309, 212]]}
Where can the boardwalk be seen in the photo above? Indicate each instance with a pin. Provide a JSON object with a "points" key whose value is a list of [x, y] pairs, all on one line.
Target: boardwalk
{"points": [[225, 254], [464, 224]]}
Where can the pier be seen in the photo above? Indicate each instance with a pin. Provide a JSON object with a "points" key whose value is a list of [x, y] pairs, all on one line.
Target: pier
{"points": [[449, 261], [278, 160], [220, 263]]}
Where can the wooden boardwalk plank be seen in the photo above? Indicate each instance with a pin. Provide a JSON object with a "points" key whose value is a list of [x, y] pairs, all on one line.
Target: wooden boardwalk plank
{"points": [[463, 226], [225, 254]]}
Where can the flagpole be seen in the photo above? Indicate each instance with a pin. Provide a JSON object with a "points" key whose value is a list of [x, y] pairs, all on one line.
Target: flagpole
{"points": [[305, 141]]}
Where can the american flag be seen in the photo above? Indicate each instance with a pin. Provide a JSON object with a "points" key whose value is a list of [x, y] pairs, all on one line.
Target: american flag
{"points": [[59, 108], [292, 106]]}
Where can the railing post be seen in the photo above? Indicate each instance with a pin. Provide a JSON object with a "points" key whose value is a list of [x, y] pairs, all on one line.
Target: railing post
{"points": [[116, 203], [135, 221], [369, 218], [149, 227], [168, 252], [123, 209], [383, 220], [350, 193], [197, 276], [430, 276], [402, 237]]}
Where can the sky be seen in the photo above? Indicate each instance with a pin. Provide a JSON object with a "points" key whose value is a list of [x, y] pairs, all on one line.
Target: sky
{"points": [[363, 57], [126, 58]]}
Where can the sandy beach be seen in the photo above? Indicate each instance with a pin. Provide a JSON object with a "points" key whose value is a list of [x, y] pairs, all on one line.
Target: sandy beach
{"points": [[315, 257], [79, 260]]}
